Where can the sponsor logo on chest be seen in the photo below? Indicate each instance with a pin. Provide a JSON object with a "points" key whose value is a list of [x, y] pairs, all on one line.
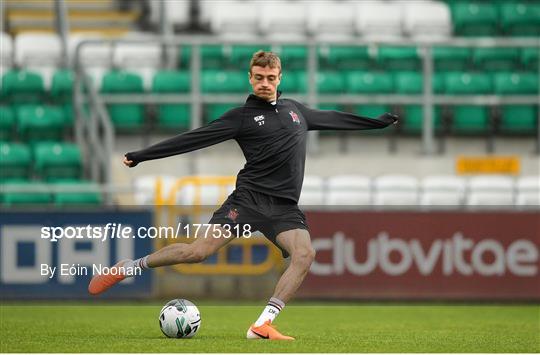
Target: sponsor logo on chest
{"points": [[259, 119]]}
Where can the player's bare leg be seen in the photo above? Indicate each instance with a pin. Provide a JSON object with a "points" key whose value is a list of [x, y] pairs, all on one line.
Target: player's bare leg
{"points": [[297, 243], [179, 253]]}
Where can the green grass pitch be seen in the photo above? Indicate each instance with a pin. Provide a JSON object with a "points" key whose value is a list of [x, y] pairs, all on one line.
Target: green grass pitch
{"points": [[318, 327]]}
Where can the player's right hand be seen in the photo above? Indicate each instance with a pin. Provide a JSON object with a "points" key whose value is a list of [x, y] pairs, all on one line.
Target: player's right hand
{"points": [[129, 163]]}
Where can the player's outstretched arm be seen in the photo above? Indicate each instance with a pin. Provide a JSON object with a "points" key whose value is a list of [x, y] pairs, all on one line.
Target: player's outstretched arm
{"points": [[334, 120], [224, 128]]}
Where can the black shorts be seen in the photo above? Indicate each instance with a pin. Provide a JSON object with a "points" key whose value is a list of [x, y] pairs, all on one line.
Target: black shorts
{"points": [[267, 214]]}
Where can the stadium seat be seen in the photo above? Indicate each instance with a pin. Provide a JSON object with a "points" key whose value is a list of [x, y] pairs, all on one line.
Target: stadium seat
{"points": [[209, 195], [98, 55], [184, 57], [442, 191], [395, 191], [529, 58], [293, 57], [7, 123], [495, 191], [22, 86], [234, 19], [451, 58], [213, 56], [520, 18], [331, 20], [25, 193], [517, 118], [369, 82], [37, 48], [215, 111], [426, 20], [62, 86], [312, 192], [15, 160], [177, 12], [348, 190], [413, 82], [6, 55], [124, 116], [378, 20], [372, 111], [213, 81], [469, 119], [487, 59], [172, 115], [37, 123], [58, 161], [475, 18], [145, 188], [330, 82], [528, 191], [280, 19], [413, 121], [345, 57], [398, 58], [79, 193]]}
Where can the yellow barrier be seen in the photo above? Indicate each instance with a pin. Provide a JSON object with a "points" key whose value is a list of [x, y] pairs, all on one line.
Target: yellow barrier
{"points": [[488, 165], [166, 207]]}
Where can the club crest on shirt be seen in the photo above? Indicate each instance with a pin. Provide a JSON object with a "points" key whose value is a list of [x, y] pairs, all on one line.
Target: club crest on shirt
{"points": [[294, 116], [233, 214]]}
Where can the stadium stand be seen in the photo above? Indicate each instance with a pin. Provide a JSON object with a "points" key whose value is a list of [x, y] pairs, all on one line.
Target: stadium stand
{"points": [[37, 83]]}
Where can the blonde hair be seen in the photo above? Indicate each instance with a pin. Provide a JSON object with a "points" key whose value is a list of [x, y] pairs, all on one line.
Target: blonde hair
{"points": [[263, 59]]}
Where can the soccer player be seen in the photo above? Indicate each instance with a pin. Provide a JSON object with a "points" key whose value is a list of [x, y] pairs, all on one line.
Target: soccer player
{"points": [[272, 133]]}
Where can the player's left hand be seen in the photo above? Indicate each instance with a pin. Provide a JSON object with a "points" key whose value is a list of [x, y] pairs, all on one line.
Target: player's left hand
{"points": [[387, 116]]}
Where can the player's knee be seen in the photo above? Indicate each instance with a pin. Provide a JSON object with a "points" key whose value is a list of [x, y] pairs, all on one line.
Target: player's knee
{"points": [[303, 257]]}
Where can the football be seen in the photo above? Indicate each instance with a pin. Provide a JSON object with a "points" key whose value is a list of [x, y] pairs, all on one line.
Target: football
{"points": [[179, 318]]}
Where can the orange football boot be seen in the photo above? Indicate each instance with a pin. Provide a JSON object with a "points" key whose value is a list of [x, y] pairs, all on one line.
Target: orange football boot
{"points": [[101, 283], [266, 331]]}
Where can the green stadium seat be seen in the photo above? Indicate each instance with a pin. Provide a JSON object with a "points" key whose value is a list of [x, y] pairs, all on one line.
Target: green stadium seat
{"points": [[469, 119], [57, 161], [87, 194], [62, 85], [213, 56], [25, 193], [330, 107], [215, 111], [217, 81], [37, 123], [413, 121], [451, 58], [520, 18], [413, 82], [22, 86], [517, 119], [529, 58], [467, 83], [330, 82], [369, 82], [7, 123], [15, 161], [516, 83], [487, 59], [345, 58], [172, 115], [293, 57], [241, 55], [293, 82], [398, 58], [475, 18], [124, 116]]}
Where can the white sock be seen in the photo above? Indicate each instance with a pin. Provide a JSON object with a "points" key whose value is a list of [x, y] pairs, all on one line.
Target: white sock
{"points": [[271, 311], [141, 263]]}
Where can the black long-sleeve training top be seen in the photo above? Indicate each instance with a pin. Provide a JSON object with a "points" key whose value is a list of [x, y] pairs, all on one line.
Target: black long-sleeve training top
{"points": [[272, 138]]}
